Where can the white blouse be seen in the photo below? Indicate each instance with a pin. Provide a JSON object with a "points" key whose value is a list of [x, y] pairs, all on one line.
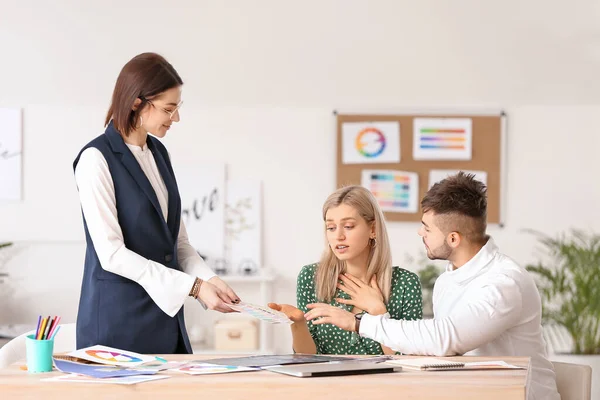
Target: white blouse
{"points": [[167, 287]]}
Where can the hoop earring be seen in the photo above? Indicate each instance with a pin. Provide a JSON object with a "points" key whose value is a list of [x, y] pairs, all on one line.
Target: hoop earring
{"points": [[141, 122], [373, 242]]}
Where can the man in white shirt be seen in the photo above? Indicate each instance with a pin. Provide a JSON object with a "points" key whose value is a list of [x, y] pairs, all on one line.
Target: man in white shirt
{"points": [[484, 304]]}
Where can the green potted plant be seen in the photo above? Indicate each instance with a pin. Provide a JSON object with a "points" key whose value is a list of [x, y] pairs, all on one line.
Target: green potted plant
{"points": [[568, 279], [428, 273]]}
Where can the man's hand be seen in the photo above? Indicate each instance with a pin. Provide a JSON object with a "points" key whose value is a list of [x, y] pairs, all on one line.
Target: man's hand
{"points": [[321, 313]]}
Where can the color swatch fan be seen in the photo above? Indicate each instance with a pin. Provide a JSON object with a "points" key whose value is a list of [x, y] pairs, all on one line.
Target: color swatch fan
{"points": [[262, 313]]}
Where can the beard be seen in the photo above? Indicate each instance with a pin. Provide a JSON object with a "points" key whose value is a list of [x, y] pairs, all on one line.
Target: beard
{"points": [[442, 252]]}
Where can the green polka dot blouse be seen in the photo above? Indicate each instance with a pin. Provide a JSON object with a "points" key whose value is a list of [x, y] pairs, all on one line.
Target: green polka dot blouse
{"points": [[406, 302]]}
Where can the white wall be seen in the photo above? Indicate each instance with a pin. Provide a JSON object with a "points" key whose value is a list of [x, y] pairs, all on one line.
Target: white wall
{"points": [[261, 81]]}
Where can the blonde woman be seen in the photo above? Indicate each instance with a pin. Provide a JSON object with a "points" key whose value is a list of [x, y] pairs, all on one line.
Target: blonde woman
{"points": [[355, 273]]}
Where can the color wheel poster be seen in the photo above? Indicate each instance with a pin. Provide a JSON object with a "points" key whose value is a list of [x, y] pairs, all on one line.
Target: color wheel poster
{"points": [[111, 356], [442, 138], [370, 142], [395, 191]]}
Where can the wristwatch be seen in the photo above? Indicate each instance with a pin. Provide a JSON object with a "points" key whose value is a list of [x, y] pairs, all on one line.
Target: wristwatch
{"points": [[357, 318]]}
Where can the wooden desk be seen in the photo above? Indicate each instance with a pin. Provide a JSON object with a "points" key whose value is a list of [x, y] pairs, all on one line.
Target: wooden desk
{"points": [[261, 385]]}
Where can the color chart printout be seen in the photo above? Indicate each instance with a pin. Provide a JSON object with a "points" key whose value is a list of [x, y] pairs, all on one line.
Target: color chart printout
{"points": [[442, 138], [395, 191], [370, 142]]}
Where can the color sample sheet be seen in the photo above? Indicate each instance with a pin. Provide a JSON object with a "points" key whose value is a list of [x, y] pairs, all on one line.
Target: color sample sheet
{"points": [[111, 356], [442, 138], [370, 142], [436, 175], [395, 191], [205, 369], [97, 371], [262, 313], [126, 380]]}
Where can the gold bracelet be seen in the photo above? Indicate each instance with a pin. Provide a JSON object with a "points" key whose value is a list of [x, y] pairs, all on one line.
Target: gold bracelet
{"points": [[196, 288]]}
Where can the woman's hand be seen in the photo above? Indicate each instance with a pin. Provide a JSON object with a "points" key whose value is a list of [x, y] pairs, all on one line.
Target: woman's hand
{"points": [[214, 298], [231, 297], [367, 297], [290, 311], [302, 340]]}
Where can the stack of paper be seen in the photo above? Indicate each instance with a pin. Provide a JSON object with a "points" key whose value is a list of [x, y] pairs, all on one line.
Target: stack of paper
{"points": [[102, 364]]}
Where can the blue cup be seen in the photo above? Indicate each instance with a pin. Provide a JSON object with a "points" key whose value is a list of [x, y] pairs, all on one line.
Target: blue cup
{"points": [[39, 354]]}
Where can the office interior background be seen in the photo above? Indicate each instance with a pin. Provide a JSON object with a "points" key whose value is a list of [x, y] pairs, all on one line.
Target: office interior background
{"points": [[262, 81]]}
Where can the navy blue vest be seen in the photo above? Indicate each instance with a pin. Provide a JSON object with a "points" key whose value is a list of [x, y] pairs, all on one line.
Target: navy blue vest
{"points": [[115, 311]]}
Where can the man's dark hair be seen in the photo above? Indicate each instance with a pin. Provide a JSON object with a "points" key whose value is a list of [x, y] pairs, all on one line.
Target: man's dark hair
{"points": [[459, 203]]}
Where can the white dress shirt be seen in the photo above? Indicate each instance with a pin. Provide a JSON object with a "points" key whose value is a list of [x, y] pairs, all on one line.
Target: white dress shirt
{"points": [[488, 307], [167, 287]]}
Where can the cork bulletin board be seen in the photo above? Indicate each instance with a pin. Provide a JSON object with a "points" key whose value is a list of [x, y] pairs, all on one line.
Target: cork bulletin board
{"points": [[488, 152]]}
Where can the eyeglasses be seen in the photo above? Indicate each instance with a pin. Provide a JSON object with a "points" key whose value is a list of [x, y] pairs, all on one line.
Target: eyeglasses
{"points": [[171, 113]]}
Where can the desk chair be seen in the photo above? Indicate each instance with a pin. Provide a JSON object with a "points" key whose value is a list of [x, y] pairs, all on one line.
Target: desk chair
{"points": [[15, 349], [574, 381]]}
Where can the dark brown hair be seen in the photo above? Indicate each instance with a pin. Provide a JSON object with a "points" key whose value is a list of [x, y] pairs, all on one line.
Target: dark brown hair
{"points": [[460, 205], [144, 76]]}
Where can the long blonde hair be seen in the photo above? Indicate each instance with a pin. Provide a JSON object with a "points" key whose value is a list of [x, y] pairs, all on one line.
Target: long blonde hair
{"points": [[380, 258]]}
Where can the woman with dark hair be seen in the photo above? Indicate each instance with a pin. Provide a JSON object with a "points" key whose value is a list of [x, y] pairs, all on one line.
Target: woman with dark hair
{"points": [[139, 265]]}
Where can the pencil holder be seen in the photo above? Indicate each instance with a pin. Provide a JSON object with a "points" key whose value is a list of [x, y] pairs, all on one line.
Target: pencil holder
{"points": [[39, 354]]}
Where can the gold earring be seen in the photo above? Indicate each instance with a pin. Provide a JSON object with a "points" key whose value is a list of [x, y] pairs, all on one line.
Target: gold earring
{"points": [[373, 242], [141, 121]]}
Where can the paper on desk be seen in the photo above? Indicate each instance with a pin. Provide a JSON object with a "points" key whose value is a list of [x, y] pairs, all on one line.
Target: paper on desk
{"points": [[206, 368], [125, 380], [491, 365], [262, 313], [97, 371], [112, 356], [161, 367]]}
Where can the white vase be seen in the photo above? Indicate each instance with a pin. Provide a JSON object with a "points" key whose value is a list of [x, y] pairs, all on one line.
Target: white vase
{"points": [[584, 359]]}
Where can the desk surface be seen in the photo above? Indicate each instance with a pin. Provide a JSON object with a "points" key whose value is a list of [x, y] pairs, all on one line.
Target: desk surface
{"points": [[463, 385]]}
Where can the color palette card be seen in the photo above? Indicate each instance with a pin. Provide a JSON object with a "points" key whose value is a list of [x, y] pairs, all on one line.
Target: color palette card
{"points": [[111, 356], [262, 313]]}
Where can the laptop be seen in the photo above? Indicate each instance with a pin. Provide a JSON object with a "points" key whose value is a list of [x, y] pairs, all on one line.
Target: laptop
{"points": [[275, 360], [334, 369]]}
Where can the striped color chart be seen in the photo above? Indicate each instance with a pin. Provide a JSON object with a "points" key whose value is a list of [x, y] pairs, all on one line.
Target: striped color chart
{"points": [[442, 138]]}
